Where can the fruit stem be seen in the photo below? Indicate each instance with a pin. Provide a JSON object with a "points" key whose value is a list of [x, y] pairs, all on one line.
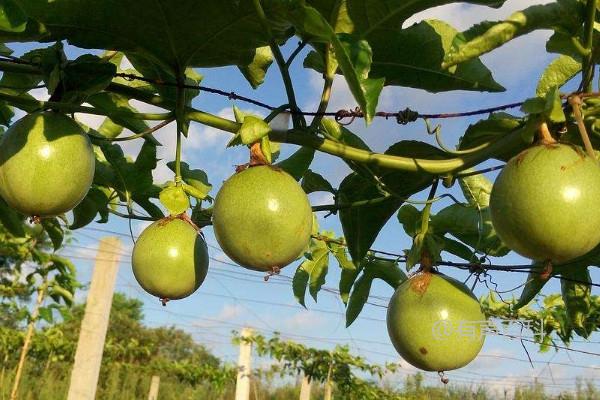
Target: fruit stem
{"points": [[180, 117], [575, 102], [545, 135], [326, 93], [426, 260]]}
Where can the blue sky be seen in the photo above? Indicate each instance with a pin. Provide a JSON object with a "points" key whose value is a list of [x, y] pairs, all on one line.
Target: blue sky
{"points": [[232, 297]]}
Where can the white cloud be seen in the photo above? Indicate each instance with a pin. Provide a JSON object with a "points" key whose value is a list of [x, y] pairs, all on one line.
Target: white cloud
{"points": [[303, 319]]}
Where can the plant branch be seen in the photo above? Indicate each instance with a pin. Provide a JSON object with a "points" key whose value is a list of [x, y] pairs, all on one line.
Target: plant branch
{"points": [[575, 103], [137, 135], [297, 117], [28, 103], [588, 61], [130, 216], [328, 77], [290, 60]]}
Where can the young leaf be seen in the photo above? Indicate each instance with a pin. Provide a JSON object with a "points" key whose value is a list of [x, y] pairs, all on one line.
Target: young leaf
{"points": [[11, 220], [565, 14], [54, 231], [195, 178], [94, 202], [576, 291], [175, 199], [298, 163], [300, 281], [255, 71], [358, 298], [313, 182], [318, 270], [533, 285], [559, 72]]}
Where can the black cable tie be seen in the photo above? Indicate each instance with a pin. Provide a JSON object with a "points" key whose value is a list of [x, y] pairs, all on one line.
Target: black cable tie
{"points": [[406, 116]]}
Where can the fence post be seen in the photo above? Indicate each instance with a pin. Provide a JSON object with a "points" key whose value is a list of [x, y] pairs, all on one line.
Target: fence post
{"points": [[242, 386], [154, 384], [305, 388], [90, 346]]}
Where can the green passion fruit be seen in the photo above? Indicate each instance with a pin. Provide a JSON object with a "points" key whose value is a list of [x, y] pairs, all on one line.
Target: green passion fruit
{"points": [[544, 203], [170, 259], [46, 164], [435, 322], [262, 218]]}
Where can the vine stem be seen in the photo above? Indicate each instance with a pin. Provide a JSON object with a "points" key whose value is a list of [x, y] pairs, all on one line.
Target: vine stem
{"points": [[72, 108], [575, 103], [299, 137], [180, 117], [328, 77], [588, 62], [297, 117], [137, 135]]}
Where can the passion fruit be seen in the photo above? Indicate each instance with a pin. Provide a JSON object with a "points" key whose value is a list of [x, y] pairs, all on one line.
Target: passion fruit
{"points": [[46, 164], [170, 259], [544, 203], [435, 322], [262, 218]]}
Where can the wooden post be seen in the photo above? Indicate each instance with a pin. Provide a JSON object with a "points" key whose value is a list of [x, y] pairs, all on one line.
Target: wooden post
{"points": [[88, 357], [154, 384], [242, 386], [305, 388], [27, 342], [329, 384]]}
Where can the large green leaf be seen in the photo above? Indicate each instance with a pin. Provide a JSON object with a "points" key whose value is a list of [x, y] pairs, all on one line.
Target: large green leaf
{"points": [[560, 15], [559, 72], [413, 57], [410, 57], [12, 17], [576, 292], [171, 33]]}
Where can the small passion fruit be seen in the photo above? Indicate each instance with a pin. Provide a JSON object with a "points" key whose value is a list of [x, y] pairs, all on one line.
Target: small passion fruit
{"points": [[262, 218], [435, 322], [170, 259], [544, 203], [46, 164]]}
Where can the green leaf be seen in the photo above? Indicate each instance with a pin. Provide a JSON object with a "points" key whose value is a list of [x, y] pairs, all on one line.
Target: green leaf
{"points": [[45, 313], [488, 130], [313, 182], [358, 298], [352, 53], [457, 248], [110, 103], [361, 225], [253, 129], [576, 291], [195, 178], [83, 77], [560, 15], [413, 57], [349, 270], [385, 269], [318, 271], [12, 17], [172, 36], [554, 109], [298, 163], [410, 218], [300, 281], [54, 231], [255, 71], [175, 199], [559, 72], [131, 179], [94, 202], [533, 286], [11, 220]]}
